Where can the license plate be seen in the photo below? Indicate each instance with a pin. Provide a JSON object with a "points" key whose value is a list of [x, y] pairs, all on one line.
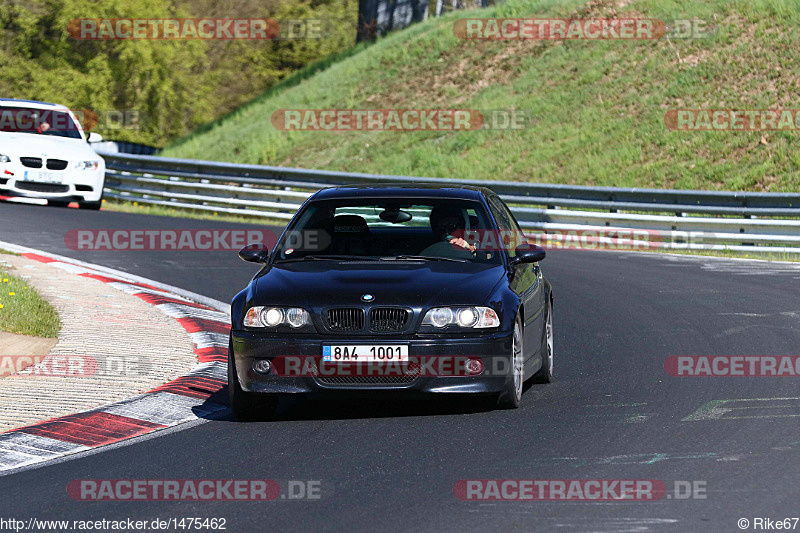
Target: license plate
{"points": [[357, 353], [42, 177]]}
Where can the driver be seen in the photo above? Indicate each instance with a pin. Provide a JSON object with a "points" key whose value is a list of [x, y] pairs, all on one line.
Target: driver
{"points": [[446, 223], [43, 125]]}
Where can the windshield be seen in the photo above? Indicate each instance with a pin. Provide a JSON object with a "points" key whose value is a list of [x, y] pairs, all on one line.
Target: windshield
{"points": [[38, 122], [418, 229]]}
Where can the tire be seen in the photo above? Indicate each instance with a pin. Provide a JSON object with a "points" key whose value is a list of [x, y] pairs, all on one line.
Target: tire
{"points": [[545, 373], [246, 405], [511, 397], [57, 203], [94, 206]]}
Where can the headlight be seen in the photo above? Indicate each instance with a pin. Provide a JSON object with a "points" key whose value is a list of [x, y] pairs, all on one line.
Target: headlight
{"points": [[297, 317], [441, 317], [272, 317], [4, 158], [87, 165], [465, 317]]}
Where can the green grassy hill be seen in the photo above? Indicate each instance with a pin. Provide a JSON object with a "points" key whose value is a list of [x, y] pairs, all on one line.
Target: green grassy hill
{"points": [[598, 106]]}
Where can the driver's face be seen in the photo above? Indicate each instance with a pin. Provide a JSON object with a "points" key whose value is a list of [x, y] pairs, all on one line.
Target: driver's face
{"points": [[447, 226]]}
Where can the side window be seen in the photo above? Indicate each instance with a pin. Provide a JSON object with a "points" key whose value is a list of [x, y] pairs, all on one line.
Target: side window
{"points": [[508, 227], [511, 218]]}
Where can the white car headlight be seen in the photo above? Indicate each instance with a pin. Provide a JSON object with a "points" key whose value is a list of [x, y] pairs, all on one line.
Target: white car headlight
{"points": [[87, 165], [272, 317], [4, 158], [465, 317]]}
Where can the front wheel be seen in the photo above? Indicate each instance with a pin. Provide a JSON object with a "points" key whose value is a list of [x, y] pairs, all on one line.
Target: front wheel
{"points": [[511, 397]]}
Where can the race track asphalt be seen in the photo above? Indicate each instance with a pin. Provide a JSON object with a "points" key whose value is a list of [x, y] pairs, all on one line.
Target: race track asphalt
{"points": [[612, 413]]}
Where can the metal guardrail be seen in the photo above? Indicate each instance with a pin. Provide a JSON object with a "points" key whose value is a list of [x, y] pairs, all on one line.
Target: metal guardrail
{"points": [[730, 220]]}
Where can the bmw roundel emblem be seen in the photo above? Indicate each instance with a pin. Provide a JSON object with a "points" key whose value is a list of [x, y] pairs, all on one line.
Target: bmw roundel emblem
{"points": [[367, 297]]}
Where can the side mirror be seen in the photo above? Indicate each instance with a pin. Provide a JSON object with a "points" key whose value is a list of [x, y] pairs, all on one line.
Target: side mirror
{"points": [[94, 138], [528, 253], [254, 253]]}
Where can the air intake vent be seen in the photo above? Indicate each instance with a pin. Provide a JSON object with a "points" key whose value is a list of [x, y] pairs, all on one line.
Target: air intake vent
{"points": [[346, 319], [42, 187], [343, 381], [387, 319], [31, 162]]}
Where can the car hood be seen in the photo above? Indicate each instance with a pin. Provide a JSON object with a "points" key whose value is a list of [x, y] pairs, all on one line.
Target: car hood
{"points": [[325, 283], [30, 145]]}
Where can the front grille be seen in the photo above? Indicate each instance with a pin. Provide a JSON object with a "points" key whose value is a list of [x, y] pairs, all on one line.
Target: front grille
{"points": [[31, 162], [386, 319], [42, 187], [346, 319], [56, 164], [367, 380]]}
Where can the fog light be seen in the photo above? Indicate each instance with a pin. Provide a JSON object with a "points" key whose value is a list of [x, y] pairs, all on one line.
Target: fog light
{"points": [[262, 366], [475, 366]]}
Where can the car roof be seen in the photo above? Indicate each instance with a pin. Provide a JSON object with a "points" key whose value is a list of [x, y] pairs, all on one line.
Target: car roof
{"points": [[34, 104], [394, 190]]}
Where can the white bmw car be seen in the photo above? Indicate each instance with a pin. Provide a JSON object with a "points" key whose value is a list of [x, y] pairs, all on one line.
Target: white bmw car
{"points": [[44, 153]]}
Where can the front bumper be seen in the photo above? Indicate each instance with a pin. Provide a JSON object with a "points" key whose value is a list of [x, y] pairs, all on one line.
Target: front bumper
{"points": [[494, 350], [88, 188]]}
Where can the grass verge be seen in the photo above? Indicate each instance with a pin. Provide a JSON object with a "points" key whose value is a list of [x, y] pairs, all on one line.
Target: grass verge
{"points": [[24, 311]]}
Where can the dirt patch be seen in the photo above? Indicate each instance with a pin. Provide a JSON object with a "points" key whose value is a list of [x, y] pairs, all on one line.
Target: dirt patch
{"points": [[24, 347]]}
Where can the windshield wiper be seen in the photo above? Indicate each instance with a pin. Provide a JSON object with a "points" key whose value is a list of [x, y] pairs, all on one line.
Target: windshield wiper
{"points": [[327, 258], [423, 258]]}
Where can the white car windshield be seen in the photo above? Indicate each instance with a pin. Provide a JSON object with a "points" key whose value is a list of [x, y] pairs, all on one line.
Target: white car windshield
{"points": [[38, 122]]}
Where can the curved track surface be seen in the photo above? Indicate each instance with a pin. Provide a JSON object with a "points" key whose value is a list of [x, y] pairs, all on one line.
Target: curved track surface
{"points": [[612, 413]]}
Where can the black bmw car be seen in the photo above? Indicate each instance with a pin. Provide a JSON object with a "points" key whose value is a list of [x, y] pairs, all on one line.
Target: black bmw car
{"points": [[392, 290]]}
